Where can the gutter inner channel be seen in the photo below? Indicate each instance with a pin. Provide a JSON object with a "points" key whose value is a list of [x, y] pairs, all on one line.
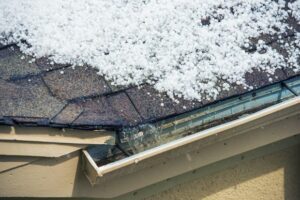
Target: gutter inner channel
{"points": [[138, 139]]}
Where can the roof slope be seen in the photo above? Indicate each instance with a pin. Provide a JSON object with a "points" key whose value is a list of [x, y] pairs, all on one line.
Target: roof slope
{"points": [[39, 93]]}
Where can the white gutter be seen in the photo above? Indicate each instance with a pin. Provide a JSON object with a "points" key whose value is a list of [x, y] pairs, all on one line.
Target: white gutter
{"points": [[192, 138]]}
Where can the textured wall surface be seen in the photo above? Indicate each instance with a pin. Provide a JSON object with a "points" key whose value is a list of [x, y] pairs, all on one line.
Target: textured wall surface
{"points": [[275, 176]]}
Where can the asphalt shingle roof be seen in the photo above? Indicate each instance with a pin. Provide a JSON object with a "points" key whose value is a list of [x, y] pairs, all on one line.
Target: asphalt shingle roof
{"points": [[38, 93]]}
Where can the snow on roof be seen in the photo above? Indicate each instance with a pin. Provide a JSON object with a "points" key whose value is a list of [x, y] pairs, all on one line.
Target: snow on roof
{"points": [[182, 47], [295, 7]]}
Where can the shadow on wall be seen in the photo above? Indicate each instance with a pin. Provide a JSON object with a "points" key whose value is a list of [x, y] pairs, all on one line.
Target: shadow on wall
{"points": [[292, 177], [274, 176]]}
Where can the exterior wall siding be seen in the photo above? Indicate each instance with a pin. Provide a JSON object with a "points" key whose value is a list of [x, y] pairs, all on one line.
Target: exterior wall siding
{"points": [[274, 176]]}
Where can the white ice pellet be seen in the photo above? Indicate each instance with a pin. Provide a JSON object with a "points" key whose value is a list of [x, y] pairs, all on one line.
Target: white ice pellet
{"points": [[182, 47]]}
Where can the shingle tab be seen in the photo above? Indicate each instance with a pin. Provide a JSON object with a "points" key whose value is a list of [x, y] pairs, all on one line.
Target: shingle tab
{"points": [[97, 112], [72, 83], [234, 89], [68, 114], [27, 98], [281, 48], [151, 104], [258, 78], [181, 105], [124, 108], [13, 64]]}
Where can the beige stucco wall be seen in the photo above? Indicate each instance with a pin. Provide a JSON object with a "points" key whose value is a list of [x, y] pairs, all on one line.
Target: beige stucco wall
{"points": [[274, 176], [257, 174]]}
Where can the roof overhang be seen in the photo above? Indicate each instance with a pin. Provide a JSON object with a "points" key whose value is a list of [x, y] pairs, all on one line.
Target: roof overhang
{"points": [[192, 152], [49, 142]]}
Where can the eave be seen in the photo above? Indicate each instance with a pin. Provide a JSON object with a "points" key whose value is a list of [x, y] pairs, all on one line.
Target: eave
{"points": [[264, 127], [49, 142], [190, 153]]}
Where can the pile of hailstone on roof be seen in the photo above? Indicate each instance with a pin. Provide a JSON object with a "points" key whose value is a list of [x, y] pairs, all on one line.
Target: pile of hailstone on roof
{"points": [[182, 47]]}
